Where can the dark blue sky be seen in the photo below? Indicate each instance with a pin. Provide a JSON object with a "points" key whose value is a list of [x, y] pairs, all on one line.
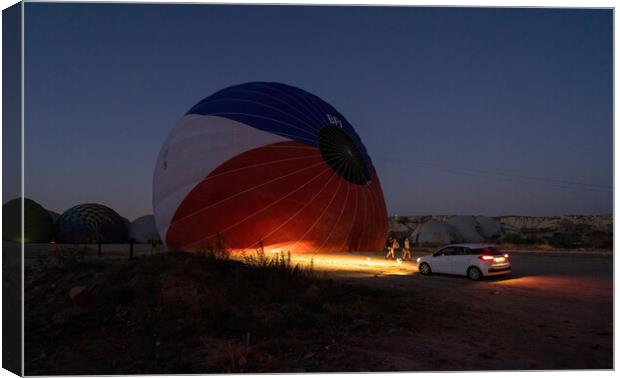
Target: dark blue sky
{"points": [[436, 94]]}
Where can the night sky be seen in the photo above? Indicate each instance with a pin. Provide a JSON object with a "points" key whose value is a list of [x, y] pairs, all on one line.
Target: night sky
{"points": [[463, 111]]}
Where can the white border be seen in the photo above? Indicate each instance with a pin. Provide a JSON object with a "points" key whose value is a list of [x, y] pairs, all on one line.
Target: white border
{"points": [[458, 3]]}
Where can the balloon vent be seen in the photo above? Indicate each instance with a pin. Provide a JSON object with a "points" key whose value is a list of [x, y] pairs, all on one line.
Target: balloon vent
{"points": [[342, 155]]}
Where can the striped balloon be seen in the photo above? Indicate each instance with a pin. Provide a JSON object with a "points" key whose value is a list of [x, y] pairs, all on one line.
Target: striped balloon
{"points": [[271, 163]]}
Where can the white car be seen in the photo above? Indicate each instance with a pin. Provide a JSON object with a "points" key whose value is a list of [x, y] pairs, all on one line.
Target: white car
{"points": [[471, 260]]}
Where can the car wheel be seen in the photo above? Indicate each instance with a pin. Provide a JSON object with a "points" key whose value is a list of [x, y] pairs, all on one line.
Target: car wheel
{"points": [[474, 273], [424, 268]]}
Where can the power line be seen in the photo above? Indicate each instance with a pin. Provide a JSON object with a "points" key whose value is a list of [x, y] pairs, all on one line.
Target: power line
{"points": [[500, 176]]}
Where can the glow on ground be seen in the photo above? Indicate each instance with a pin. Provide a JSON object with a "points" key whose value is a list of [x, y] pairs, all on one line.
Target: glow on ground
{"points": [[351, 263]]}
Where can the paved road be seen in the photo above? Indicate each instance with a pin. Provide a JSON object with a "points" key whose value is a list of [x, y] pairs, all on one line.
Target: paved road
{"points": [[538, 270]]}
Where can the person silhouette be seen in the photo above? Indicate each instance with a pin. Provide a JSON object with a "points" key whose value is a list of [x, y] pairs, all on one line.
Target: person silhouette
{"points": [[392, 245], [406, 250]]}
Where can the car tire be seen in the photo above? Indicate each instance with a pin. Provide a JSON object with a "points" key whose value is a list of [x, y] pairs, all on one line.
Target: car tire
{"points": [[474, 273], [425, 269]]}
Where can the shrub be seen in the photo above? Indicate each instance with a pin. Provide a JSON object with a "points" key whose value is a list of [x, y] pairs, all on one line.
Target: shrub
{"points": [[215, 251], [280, 263], [602, 239], [522, 239]]}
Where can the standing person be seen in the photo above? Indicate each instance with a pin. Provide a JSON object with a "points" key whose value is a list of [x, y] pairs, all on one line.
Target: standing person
{"points": [[395, 246], [406, 251], [390, 247]]}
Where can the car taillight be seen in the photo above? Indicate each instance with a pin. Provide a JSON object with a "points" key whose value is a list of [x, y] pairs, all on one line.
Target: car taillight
{"points": [[486, 258], [506, 256]]}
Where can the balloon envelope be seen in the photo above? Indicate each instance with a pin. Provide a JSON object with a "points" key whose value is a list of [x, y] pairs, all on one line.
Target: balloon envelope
{"points": [[143, 230], [38, 224], [271, 163], [54, 215], [436, 232], [89, 223]]}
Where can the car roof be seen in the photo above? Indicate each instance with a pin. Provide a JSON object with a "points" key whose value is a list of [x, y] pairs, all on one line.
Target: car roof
{"points": [[468, 245]]}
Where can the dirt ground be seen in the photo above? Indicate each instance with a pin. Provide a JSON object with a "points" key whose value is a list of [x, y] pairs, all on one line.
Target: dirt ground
{"points": [[554, 311], [358, 313]]}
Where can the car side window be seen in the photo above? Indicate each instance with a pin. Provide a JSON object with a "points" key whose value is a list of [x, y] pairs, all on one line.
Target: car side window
{"points": [[447, 251], [460, 251]]}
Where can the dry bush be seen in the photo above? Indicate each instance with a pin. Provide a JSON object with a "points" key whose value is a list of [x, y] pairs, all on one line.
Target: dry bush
{"points": [[279, 262], [215, 251]]}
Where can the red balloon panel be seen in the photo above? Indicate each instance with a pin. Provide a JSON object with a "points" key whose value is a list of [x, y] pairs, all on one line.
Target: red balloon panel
{"points": [[286, 196]]}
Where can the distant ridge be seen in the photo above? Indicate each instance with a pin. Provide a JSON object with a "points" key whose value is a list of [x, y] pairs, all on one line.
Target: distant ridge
{"points": [[574, 231]]}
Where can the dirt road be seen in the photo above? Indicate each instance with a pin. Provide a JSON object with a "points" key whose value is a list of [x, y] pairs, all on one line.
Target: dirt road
{"points": [[554, 311]]}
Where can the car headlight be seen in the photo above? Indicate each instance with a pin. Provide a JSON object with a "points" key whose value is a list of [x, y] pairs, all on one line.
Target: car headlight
{"points": [[418, 259]]}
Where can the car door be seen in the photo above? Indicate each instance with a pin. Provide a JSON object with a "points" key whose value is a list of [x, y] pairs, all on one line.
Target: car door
{"points": [[440, 262], [459, 261]]}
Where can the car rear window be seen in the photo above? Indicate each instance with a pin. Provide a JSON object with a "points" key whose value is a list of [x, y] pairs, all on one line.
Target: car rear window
{"points": [[487, 251]]}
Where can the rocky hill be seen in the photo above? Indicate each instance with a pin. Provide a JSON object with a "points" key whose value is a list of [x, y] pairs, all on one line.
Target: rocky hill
{"points": [[598, 222], [566, 231]]}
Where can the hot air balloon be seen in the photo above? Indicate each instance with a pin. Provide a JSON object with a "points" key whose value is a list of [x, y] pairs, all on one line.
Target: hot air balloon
{"points": [[38, 224], [267, 163], [143, 230], [90, 223], [54, 215]]}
